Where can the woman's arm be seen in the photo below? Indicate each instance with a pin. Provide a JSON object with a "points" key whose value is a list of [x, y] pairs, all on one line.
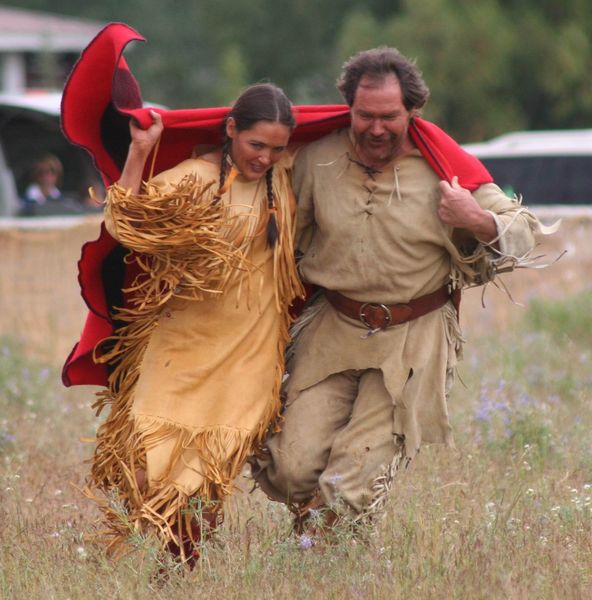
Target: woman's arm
{"points": [[143, 141]]}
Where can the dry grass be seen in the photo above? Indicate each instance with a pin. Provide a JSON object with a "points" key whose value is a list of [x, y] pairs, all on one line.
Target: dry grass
{"points": [[505, 515]]}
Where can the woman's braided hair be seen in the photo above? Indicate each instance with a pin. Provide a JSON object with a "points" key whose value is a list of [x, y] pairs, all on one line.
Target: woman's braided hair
{"points": [[259, 102]]}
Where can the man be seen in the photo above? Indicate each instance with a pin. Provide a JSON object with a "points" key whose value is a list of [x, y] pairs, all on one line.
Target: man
{"points": [[388, 241]]}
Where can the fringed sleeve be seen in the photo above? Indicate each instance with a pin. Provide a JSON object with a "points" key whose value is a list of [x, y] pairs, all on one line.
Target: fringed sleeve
{"points": [[179, 236], [477, 263]]}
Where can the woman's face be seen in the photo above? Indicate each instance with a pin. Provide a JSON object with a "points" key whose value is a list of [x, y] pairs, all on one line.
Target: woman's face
{"points": [[46, 176], [254, 151]]}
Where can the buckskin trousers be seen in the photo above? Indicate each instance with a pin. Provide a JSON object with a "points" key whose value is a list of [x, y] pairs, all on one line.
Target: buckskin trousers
{"points": [[337, 437]]}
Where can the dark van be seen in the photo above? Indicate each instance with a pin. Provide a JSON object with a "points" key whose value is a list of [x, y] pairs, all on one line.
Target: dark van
{"points": [[545, 167]]}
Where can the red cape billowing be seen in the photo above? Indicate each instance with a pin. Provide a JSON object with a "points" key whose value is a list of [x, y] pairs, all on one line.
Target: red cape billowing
{"points": [[100, 97]]}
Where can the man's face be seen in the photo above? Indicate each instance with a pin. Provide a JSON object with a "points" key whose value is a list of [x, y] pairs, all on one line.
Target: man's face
{"points": [[380, 121]]}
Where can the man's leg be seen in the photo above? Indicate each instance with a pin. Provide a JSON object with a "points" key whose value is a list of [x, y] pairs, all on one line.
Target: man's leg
{"points": [[299, 453], [365, 453]]}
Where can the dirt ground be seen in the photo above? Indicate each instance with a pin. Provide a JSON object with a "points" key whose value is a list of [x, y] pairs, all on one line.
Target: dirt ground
{"points": [[41, 304]]}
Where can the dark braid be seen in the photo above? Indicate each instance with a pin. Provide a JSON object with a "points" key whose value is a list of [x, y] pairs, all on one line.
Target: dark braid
{"points": [[272, 226], [224, 162]]}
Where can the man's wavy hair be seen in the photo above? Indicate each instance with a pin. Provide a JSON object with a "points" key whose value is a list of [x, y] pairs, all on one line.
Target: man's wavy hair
{"points": [[378, 63]]}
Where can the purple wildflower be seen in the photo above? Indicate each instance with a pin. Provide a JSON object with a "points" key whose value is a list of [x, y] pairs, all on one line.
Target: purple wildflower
{"points": [[305, 542]]}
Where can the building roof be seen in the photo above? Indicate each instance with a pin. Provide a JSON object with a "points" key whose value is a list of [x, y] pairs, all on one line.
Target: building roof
{"points": [[27, 30]]}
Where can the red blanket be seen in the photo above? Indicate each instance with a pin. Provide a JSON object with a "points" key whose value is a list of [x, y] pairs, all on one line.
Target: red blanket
{"points": [[100, 97]]}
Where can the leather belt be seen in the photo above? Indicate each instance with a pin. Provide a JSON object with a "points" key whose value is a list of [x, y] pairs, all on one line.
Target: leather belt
{"points": [[375, 315]]}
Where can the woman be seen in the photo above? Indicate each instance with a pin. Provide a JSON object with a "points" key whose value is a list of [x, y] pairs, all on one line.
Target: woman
{"points": [[46, 175], [197, 360]]}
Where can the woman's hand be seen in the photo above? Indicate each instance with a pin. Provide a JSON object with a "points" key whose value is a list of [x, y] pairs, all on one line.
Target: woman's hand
{"points": [[143, 140]]}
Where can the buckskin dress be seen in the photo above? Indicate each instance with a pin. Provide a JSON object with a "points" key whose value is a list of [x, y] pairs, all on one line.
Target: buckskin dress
{"points": [[198, 358]]}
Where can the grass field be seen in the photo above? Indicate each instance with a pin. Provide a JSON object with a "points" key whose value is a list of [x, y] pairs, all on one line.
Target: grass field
{"points": [[507, 514]]}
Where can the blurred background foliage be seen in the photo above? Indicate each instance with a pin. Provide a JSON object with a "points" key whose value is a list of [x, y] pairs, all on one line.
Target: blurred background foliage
{"points": [[492, 65]]}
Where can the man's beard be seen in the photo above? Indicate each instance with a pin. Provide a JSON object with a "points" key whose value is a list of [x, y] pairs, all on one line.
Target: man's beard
{"points": [[384, 152]]}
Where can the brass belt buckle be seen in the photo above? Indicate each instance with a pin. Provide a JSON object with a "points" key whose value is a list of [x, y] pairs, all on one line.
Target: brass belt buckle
{"points": [[388, 317]]}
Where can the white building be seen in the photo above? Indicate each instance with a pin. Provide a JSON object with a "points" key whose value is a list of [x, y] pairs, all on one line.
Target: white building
{"points": [[37, 50]]}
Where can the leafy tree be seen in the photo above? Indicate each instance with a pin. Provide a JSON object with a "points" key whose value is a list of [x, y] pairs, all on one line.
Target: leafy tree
{"points": [[464, 55], [492, 65], [550, 68], [360, 31], [233, 71]]}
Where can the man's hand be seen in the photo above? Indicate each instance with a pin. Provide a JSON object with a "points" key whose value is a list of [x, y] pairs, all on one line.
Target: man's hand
{"points": [[458, 208]]}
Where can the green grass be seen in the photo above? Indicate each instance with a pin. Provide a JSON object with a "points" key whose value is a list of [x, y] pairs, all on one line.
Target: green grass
{"points": [[570, 321], [507, 514]]}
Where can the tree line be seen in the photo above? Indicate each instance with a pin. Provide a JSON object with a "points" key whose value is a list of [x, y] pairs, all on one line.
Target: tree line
{"points": [[492, 66]]}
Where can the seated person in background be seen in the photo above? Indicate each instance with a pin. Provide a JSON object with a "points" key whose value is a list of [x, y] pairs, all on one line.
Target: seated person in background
{"points": [[46, 175]]}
